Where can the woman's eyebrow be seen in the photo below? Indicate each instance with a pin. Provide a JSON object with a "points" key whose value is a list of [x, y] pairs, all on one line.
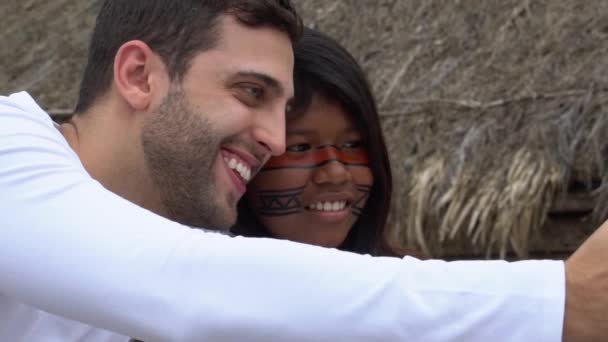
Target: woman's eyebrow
{"points": [[301, 131], [350, 129], [310, 131]]}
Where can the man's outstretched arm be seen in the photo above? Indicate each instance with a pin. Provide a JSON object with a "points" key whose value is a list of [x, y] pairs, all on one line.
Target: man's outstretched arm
{"points": [[70, 247], [586, 314]]}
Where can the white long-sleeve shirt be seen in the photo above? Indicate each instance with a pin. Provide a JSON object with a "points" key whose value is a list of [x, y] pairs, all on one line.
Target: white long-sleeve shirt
{"points": [[79, 263]]}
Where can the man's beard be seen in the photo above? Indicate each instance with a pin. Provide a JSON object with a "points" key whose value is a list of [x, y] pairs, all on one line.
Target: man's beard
{"points": [[180, 148]]}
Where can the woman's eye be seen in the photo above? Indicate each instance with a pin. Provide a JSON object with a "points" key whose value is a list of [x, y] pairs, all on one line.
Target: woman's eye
{"points": [[352, 144], [298, 147]]}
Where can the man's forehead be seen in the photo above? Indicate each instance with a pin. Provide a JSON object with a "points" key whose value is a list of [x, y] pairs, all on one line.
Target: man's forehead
{"points": [[264, 53], [231, 31]]}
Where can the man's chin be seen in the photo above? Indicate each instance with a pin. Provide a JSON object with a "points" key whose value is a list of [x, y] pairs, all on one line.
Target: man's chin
{"points": [[209, 219], [218, 231], [223, 221]]}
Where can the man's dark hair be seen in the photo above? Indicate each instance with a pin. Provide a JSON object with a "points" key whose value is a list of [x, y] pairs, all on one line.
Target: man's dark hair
{"points": [[176, 30]]}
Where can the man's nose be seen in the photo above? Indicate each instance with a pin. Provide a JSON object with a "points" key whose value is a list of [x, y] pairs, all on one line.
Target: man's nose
{"points": [[269, 131]]}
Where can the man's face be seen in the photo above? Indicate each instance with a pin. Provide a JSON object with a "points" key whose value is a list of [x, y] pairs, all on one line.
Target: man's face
{"points": [[220, 124]]}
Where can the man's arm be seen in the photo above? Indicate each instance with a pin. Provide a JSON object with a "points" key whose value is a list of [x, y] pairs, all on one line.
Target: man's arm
{"points": [[586, 314], [70, 247]]}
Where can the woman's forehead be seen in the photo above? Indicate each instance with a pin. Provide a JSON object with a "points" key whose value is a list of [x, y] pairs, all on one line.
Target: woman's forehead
{"points": [[323, 114]]}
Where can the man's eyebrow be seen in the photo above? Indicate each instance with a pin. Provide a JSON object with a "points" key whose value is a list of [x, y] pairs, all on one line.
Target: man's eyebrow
{"points": [[268, 80]]}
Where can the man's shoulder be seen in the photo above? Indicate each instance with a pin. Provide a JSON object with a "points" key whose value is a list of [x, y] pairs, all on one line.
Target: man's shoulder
{"points": [[20, 113], [25, 126], [23, 104], [19, 100]]}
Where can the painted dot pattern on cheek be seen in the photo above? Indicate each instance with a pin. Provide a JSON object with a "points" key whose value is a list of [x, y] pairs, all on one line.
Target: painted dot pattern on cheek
{"points": [[318, 157], [280, 202]]}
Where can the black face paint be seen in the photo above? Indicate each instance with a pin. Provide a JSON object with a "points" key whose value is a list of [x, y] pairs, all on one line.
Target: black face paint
{"points": [[280, 202], [361, 200]]}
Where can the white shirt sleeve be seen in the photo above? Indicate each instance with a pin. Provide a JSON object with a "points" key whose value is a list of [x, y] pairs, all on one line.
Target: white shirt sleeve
{"points": [[70, 247]]}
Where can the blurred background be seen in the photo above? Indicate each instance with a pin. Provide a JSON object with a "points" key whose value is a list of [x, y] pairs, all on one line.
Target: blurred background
{"points": [[495, 111]]}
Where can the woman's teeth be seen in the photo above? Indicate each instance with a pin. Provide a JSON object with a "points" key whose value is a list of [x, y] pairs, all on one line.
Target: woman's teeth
{"points": [[243, 170], [328, 206]]}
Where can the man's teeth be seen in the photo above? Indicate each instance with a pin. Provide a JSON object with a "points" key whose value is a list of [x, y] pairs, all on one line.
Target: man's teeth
{"points": [[328, 206], [239, 167]]}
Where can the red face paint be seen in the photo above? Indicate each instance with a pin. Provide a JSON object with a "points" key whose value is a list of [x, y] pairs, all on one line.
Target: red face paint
{"points": [[318, 157]]}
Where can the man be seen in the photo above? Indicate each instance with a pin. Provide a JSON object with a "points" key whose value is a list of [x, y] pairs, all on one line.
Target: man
{"points": [[181, 102]]}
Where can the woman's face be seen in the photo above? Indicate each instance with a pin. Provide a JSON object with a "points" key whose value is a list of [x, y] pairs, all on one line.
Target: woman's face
{"points": [[314, 192]]}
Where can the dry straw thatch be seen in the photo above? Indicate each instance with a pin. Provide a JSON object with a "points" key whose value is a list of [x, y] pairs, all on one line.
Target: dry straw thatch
{"points": [[491, 108]]}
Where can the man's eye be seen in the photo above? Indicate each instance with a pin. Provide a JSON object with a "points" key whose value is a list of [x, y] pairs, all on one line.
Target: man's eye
{"points": [[253, 91], [298, 147], [352, 144]]}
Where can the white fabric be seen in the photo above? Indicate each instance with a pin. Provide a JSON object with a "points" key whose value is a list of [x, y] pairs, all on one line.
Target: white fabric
{"points": [[71, 248]]}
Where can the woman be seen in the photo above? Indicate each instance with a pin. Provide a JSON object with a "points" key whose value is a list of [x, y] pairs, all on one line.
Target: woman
{"points": [[332, 187]]}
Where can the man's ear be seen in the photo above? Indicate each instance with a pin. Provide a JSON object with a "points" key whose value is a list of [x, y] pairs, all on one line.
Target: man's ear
{"points": [[136, 68]]}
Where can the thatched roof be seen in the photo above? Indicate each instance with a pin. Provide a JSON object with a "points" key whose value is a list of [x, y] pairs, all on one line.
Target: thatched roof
{"points": [[43, 48], [494, 110]]}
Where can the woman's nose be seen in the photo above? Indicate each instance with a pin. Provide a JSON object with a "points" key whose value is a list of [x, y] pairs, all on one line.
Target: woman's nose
{"points": [[331, 169]]}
